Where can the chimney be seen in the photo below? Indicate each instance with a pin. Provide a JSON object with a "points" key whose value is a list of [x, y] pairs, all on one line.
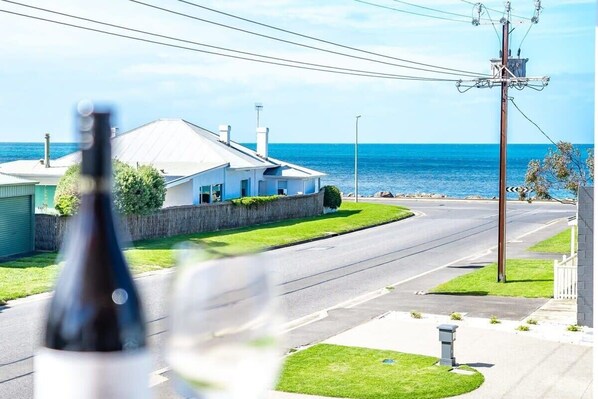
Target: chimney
{"points": [[262, 142], [47, 150], [224, 134], [113, 131]]}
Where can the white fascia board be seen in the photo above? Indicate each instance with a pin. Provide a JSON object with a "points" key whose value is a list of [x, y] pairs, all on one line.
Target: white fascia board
{"points": [[185, 179]]}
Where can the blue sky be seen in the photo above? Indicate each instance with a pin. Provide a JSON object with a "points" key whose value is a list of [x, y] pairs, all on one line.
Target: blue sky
{"points": [[47, 68]]}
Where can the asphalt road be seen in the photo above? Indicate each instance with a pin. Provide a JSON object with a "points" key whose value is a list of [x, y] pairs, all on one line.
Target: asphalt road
{"points": [[316, 275]]}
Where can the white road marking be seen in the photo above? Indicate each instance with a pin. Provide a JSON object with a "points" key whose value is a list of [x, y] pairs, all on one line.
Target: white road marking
{"points": [[156, 377]]}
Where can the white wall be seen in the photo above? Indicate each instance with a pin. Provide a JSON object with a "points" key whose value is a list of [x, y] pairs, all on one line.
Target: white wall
{"points": [[232, 187], [179, 195], [310, 186], [294, 187]]}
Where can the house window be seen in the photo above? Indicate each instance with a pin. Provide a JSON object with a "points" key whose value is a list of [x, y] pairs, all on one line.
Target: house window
{"points": [[204, 194], [210, 194], [217, 193], [244, 188], [261, 187], [282, 187]]}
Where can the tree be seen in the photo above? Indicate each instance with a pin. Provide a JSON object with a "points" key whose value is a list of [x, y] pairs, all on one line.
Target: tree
{"points": [[562, 168], [136, 191]]}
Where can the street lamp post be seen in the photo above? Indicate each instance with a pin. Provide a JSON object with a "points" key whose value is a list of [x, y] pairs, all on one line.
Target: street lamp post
{"points": [[356, 141]]}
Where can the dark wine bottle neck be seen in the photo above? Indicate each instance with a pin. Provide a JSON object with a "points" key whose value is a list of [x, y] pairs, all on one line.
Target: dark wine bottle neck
{"points": [[95, 147]]}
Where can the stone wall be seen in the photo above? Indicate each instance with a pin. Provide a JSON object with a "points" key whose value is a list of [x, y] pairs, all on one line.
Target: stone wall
{"points": [[585, 253], [168, 222]]}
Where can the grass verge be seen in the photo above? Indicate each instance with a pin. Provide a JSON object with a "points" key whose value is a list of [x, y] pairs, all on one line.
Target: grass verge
{"points": [[36, 274], [558, 244], [350, 372], [529, 278]]}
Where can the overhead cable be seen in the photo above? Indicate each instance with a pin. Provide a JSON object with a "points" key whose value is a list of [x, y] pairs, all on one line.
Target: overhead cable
{"points": [[410, 12], [301, 44], [198, 43], [327, 41], [371, 75], [512, 99], [431, 9]]}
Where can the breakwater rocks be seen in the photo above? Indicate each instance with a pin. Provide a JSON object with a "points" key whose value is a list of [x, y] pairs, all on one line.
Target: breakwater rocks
{"points": [[388, 194]]}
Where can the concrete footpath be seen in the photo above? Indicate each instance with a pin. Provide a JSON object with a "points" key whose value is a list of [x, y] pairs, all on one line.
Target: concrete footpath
{"points": [[546, 362]]}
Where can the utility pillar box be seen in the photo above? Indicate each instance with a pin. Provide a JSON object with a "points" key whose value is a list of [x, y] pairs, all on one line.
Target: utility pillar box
{"points": [[517, 66], [447, 335]]}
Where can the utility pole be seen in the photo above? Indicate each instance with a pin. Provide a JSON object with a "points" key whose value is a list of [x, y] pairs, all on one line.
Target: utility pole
{"points": [[502, 184], [509, 72], [356, 142], [258, 108]]}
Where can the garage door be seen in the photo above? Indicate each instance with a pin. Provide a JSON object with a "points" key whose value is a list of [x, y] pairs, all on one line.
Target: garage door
{"points": [[15, 225]]}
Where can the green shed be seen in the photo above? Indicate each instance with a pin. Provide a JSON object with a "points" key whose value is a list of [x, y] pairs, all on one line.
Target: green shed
{"points": [[17, 215]]}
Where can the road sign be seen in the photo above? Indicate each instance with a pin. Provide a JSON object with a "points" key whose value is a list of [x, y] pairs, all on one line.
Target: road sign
{"points": [[517, 189]]}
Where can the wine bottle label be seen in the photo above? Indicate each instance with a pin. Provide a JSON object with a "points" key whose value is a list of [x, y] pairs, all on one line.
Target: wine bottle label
{"points": [[91, 375]]}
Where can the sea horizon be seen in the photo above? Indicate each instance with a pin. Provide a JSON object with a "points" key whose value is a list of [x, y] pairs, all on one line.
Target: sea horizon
{"points": [[451, 170]]}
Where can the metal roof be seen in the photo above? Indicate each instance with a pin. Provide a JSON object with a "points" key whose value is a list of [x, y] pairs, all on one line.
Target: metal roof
{"points": [[291, 171], [6, 180], [176, 140]]}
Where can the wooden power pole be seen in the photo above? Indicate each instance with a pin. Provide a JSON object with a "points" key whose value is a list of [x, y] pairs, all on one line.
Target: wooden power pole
{"points": [[502, 184], [506, 74]]}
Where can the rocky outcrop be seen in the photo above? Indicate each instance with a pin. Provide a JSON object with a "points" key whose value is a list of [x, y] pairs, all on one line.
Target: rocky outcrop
{"points": [[383, 194]]}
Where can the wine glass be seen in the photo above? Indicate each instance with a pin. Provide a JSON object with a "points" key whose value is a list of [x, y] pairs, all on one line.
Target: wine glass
{"points": [[223, 340]]}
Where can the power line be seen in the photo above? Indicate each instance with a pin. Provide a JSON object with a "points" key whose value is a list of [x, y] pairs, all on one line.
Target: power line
{"points": [[409, 12], [431, 9], [302, 44], [202, 44], [371, 75], [326, 41], [512, 99]]}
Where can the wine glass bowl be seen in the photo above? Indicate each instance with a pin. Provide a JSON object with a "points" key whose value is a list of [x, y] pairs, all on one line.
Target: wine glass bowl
{"points": [[223, 340]]}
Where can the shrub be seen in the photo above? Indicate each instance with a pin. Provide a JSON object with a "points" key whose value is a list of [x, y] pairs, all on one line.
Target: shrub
{"points": [[136, 191], [456, 316], [532, 321], [416, 315], [254, 201], [155, 186], [494, 320], [574, 328], [332, 197], [522, 328], [130, 193], [66, 197]]}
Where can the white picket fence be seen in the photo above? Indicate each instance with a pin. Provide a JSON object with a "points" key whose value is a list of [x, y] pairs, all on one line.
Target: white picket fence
{"points": [[565, 278]]}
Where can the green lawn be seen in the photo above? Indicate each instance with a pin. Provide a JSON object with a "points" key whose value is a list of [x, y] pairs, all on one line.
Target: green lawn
{"points": [[350, 372], [559, 243], [36, 274], [529, 278]]}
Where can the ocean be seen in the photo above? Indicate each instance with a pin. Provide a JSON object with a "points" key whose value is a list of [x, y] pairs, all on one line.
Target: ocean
{"points": [[454, 170]]}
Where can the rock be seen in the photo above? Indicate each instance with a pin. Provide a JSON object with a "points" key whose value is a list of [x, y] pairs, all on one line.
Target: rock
{"points": [[351, 195], [474, 197], [437, 196], [383, 194]]}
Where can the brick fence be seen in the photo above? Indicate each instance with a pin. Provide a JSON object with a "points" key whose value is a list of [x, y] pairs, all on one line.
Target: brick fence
{"points": [[168, 222]]}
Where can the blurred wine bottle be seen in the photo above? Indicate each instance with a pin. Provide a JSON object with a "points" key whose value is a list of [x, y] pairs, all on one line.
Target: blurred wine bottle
{"points": [[95, 340]]}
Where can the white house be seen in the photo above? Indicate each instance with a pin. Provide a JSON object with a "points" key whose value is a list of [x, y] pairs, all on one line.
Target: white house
{"points": [[198, 166]]}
